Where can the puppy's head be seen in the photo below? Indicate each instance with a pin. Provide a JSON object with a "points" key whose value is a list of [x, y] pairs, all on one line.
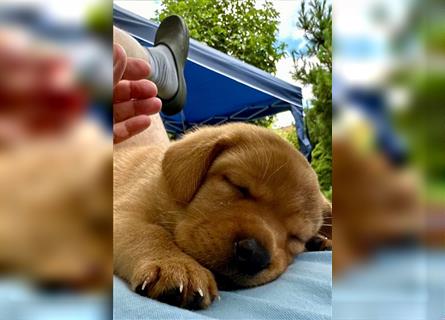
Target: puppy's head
{"points": [[248, 201]]}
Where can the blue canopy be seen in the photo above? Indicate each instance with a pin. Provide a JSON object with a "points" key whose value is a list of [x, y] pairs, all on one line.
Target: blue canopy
{"points": [[221, 88]]}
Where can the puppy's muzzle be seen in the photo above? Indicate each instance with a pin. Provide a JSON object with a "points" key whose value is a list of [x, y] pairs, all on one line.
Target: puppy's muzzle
{"points": [[250, 256]]}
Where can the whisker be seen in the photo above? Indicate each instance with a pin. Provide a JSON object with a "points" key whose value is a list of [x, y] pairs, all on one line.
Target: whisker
{"points": [[278, 169]]}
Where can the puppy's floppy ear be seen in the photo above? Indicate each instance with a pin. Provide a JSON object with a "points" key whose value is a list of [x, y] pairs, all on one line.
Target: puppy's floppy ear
{"points": [[187, 161]]}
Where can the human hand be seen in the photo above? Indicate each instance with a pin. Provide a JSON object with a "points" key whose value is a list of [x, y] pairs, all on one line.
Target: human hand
{"points": [[39, 95], [134, 97]]}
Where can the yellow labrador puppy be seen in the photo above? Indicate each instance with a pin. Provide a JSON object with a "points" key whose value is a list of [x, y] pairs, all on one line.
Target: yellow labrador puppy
{"points": [[234, 203]]}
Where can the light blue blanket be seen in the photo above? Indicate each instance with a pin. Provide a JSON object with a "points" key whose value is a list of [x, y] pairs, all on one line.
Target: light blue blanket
{"points": [[396, 285], [302, 292]]}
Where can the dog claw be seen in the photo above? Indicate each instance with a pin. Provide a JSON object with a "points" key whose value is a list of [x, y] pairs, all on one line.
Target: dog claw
{"points": [[218, 297], [200, 293], [144, 285], [181, 287]]}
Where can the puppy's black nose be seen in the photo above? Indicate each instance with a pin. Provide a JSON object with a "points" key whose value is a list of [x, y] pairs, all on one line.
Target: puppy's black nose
{"points": [[250, 256]]}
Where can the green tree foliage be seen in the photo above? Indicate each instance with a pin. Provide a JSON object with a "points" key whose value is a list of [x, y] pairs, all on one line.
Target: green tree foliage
{"points": [[422, 119], [265, 122], [236, 27], [313, 66], [99, 19], [289, 134]]}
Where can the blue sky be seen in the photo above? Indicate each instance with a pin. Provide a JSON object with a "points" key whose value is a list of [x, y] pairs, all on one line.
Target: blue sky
{"points": [[293, 37], [288, 31]]}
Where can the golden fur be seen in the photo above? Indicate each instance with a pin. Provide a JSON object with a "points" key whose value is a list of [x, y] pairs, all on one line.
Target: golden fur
{"points": [[376, 204], [56, 210], [178, 210]]}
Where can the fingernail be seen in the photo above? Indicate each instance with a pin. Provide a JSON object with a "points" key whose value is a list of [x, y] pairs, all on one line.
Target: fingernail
{"points": [[200, 293], [148, 68]]}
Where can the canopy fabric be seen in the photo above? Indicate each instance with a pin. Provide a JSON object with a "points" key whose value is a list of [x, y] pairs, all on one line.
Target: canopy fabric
{"points": [[221, 88]]}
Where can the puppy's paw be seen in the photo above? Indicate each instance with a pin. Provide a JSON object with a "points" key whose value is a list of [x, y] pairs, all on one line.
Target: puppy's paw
{"points": [[319, 243], [178, 282]]}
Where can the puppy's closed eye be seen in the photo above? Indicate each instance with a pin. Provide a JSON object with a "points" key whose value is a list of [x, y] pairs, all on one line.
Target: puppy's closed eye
{"points": [[243, 191]]}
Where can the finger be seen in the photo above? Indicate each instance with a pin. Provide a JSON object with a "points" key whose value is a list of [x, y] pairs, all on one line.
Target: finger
{"points": [[136, 69], [137, 89], [124, 130], [13, 61], [125, 110], [119, 63]]}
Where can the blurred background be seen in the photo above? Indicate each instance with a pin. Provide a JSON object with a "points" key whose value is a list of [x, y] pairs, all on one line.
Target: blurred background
{"points": [[389, 159], [55, 159]]}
